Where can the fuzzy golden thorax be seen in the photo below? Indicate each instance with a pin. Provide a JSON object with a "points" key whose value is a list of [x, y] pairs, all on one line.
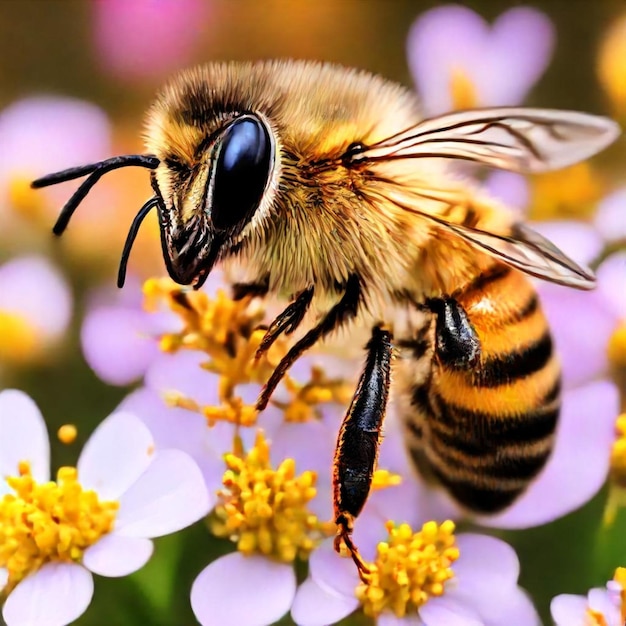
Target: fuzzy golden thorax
{"points": [[320, 219]]}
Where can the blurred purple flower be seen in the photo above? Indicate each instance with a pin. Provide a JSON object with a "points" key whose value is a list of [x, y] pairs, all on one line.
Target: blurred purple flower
{"points": [[44, 134], [148, 38], [486, 66], [35, 307], [601, 607], [483, 591]]}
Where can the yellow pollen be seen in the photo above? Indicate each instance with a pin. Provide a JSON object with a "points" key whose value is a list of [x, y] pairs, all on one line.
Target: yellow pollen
{"points": [[409, 568], [617, 347], [19, 340], [52, 521], [26, 201], [463, 90], [265, 510], [594, 618], [570, 192], [384, 478], [612, 65], [617, 473], [67, 434]]}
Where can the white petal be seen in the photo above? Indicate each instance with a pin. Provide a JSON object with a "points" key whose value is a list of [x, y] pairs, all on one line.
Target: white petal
{"points": [[449, 611], [236, 590], [117, 453], [333, 572], [586, 431], [317, 606], [568, 610], [168, 496], [23, 437], [55, 595], [115, 555], [600, 601], [610, 217]]}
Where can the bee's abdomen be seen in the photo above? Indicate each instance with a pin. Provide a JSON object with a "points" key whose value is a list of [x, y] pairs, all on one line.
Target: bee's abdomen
{"points": [[489, 427]]}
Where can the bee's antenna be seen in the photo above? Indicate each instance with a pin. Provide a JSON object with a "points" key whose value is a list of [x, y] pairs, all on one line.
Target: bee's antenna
{"points": [[96, 171], [130, 238]]}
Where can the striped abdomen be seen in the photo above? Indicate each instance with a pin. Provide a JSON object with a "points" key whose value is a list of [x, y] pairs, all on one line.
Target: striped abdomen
{"points": [[485, 429]]}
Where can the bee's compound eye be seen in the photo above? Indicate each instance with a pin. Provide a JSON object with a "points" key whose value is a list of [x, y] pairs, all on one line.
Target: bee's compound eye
{"points": [[241, 172]]}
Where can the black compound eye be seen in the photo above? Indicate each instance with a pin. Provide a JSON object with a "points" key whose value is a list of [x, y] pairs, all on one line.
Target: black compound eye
{"points": [[241, 173]]}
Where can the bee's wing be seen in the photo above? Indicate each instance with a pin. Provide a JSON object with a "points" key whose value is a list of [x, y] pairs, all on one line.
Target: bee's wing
{"points": [[527, 251], [509, 138]]}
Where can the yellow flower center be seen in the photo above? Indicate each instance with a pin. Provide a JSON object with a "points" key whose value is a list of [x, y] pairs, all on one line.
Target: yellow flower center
{"points": [[265, 510], [463, 90], [26, 201], [52, 521], [570, 192], [617, 347], [612, 65], [18, 339], [409, 568], [617, 472]]}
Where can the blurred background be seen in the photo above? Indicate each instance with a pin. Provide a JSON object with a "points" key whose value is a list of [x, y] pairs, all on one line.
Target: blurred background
{"points": [[75, 79]]}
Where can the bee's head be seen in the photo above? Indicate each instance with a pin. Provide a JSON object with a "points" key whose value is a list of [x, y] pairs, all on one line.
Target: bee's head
{"points": [[211, 192]]}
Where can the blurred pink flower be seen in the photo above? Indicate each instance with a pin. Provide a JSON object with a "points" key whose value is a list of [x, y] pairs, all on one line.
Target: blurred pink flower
{"points": [[483, 591], [35, 307], [158, 492], [486, 65], [144, 39]]}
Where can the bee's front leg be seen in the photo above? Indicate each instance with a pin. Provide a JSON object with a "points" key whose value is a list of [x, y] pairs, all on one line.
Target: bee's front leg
{"points": [[358, 440]]}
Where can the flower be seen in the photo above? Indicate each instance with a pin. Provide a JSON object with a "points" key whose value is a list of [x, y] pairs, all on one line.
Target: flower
{"points": [[35, 309], [612, 65], [486, 66], [601, 607], [97, 517], [126, 32], [430, 577]]}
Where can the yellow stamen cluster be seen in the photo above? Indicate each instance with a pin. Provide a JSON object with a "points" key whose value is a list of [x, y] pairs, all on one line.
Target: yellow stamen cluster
{"points": [[229, 332], [265, 510], [409, 568], [67, 434], [18, 339], [617, 347], [617, 472], [463, 90], [52, 521], [571, 192]]}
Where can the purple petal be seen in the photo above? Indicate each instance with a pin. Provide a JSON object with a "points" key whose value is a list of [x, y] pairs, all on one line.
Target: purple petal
{"points": [[46, 134], [236, 589], [116, 345], [611, 283], [389, 619], [578, 240], [449, 611], [510, 188], [116, 454], [48, 307], [126, 32], [115, 555], [23, 437], [167, 497], [610, 218], [571, 313], [569, 610], [55, 595], [521, 44], [317, 606], [332, 572], [519, 611], [183, 373], [586, 431], [600, 601], [431, 57]]}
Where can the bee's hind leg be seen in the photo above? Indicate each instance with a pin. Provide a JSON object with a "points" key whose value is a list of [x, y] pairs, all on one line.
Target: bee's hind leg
{"points": [[358, 440]]}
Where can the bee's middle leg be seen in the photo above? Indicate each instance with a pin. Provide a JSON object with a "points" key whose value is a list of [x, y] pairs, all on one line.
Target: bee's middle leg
{"points": [[358, 440]]}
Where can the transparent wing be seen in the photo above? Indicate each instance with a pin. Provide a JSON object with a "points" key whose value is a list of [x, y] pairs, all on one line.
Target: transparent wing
{"points": [[517, 139]]}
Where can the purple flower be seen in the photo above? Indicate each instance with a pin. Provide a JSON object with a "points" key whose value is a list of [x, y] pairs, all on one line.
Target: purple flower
{"points": [[148, 38], [601, 607], [486, 66], [35, 308], [128, 491], [482, 589]]}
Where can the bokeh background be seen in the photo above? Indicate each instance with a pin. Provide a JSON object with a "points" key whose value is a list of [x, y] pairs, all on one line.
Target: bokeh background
{"points": [[115, 57]]}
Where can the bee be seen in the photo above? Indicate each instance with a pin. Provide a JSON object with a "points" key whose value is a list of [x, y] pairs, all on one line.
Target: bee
{"points": [[327, 186]]}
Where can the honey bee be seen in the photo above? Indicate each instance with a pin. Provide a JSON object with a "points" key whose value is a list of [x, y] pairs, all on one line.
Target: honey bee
{"points": [[333, 193]]}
